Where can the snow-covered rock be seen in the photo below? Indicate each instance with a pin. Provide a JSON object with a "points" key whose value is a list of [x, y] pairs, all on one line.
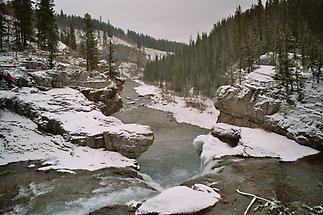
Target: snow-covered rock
{"points": [[260, 102], [253, 143], [21, 141], [180, 200], [228, 134], [108, 98], [67, 112], [50, 78]]}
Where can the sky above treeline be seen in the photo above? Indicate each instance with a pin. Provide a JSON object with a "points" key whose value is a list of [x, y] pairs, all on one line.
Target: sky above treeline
{"points": [[167, 19]]}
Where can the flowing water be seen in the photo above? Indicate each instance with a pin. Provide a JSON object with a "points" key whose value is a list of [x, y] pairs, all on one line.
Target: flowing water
{"points": [[172, 158]]}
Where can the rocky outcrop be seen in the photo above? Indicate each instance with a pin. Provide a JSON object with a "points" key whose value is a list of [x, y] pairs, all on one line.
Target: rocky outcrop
{"points": [[260, 102], [230, 135], [128, 142], [108, 99], [50, 78], [244, 105], [67, 112]]}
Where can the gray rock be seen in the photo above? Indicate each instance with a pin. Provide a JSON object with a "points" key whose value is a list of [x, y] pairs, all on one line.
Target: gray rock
{"points": [[50, 78], [227, 133], [244, 106], [131, 146], [109, 99]]}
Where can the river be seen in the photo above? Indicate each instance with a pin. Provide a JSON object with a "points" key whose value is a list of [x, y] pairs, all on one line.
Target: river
{"points": [[172, 158]]}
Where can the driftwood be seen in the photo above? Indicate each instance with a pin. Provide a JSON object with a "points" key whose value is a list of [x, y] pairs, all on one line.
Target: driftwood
{"points": [[252, 201]]}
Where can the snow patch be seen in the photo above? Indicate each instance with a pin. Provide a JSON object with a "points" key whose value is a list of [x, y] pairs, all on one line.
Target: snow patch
{"points": [[263, 74], [180, 199], [61, 46], [253, 143], [204, 118]]}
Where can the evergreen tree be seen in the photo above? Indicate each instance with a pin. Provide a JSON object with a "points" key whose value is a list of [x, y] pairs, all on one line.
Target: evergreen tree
{"points": [[111, 69], [47, 29], [52, 44], [3, 20], [105, 39], [23, 24], [72, 42], [109, 30], [45, 22], [89, 44]]}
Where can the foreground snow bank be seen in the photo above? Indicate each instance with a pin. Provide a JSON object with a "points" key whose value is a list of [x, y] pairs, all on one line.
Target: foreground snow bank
{"points": [[21, 141], [180, 199], [178, 106], [253, 143]]}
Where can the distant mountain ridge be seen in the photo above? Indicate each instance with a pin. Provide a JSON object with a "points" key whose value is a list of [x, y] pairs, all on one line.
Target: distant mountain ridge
{"points": [[65, 21]]}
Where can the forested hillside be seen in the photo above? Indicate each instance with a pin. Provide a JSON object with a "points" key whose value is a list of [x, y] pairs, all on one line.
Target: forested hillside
{"points": [[236, 43], [66, 21]]}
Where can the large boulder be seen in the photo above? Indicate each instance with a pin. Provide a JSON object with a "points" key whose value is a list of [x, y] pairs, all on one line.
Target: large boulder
{"points": [[226, 133], [50, 78], [129, 141], [108, 98], [244, 105]]}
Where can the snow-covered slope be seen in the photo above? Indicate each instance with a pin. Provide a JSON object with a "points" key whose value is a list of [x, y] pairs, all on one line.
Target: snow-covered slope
{"points": [[183, 112]]}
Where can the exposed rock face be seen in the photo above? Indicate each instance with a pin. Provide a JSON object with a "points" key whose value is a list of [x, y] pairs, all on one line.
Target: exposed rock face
{"points": [[50, 78], [108, 98], [67, 112], [260, 102], [244, 106], [230, 135], [129, 142]]}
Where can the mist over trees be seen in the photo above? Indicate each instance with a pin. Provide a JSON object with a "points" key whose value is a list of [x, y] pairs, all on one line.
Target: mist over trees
{"points": [[236, 43]]}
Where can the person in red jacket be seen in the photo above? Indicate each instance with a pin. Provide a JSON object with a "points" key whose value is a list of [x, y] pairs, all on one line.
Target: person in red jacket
{"points": [[9, 79]]}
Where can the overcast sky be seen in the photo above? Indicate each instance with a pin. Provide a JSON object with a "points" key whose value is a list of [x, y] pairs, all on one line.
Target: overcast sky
{"points": [[168, 19]]}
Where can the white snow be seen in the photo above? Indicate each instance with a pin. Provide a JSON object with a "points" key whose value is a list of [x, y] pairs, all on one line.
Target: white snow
{"points": [[21, 141], [176, 105], [66, 171], [118, 41], [145, 89], [253, 143], [263, 74], [152, 53], [61, 46], [180, 199]]}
